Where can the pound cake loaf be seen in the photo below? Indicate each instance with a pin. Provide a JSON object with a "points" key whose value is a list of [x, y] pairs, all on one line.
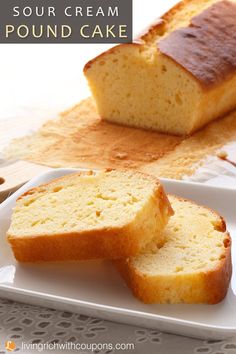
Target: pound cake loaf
{"points": [[193, 266], [175, 78], [107, 214]]}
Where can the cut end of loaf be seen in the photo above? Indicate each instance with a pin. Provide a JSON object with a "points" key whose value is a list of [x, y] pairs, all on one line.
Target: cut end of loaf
{"points": [[121, 98]]}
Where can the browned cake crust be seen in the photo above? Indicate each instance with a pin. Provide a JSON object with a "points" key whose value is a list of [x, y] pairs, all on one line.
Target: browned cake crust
{"points": [[207, 47]]}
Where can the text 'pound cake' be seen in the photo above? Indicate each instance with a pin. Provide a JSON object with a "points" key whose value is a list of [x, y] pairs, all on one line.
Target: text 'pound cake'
{"points": [[108, 214], [177, 77], [193, 266]]}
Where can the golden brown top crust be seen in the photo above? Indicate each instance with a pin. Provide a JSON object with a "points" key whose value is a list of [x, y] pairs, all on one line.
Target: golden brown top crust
{"points": [[158, 26], [207, 47]]}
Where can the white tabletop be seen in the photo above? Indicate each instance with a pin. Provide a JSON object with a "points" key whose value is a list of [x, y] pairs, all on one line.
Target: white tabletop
{"points": [[37, 82]]}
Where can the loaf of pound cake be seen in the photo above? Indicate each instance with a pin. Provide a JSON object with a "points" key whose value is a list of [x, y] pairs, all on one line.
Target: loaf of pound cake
{"points": [[108, 214], [177, 76], [194, 265]]}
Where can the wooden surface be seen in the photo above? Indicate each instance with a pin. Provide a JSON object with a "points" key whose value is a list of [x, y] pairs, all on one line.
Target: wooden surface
{"points": [[14, 174]]}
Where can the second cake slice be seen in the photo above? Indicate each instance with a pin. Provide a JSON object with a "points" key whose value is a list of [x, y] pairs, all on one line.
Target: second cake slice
{"points": [[193, 266], [108, 214]]}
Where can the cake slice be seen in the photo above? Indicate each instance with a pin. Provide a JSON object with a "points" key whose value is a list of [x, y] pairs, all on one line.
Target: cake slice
{"points": [[175, 78], [193, 266], [108, 214]]}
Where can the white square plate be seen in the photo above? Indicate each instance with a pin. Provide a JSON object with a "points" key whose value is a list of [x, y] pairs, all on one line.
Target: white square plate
{"points": [[94, 288]]}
